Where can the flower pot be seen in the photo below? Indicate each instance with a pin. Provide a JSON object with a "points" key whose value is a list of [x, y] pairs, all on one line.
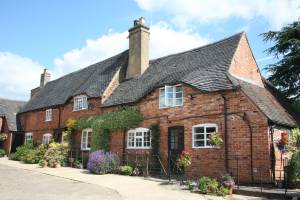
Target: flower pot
{"points": [[230, 191], [71, 160], [56, 165]]}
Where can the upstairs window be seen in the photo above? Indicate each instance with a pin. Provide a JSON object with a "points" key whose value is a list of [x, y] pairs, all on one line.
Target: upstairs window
{"points": [[170, 96], [48, 116], [139, 138], [47, 138], [28, 137], [86, 138], [201, 135], [80, 103]]}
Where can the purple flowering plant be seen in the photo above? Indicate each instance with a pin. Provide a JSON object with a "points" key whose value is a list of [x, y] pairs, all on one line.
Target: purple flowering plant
{"points": [[101, 162]]}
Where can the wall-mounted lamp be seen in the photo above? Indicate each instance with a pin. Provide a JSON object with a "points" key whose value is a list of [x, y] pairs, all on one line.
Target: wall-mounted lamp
{"points": [[191, 96]]}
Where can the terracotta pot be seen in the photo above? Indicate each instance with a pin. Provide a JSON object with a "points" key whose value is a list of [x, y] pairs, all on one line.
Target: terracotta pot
{"points": [[56, 165]]}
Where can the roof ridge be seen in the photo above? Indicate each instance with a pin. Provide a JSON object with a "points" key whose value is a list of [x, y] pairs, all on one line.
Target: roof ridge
{"points": [[198, 48]]}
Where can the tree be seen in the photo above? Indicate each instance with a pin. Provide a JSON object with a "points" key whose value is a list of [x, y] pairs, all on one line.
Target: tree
{"points": [[285, 74]]}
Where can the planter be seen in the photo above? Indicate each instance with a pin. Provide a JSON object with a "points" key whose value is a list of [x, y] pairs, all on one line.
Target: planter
{"points": [[230, 191], [71, 160], [56, 165]]}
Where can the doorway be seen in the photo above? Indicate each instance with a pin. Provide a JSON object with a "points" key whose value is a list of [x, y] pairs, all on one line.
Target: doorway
{"points": [[175, 146]]}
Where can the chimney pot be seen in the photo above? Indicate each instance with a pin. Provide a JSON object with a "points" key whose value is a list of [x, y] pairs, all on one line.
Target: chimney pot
{"points": [[45, 78]]}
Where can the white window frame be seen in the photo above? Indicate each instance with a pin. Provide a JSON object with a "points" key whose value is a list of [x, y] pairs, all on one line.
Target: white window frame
{"points": [[166, 96], [133, 134], [47, 137], [28, 137], [205, 126], [48, 115], [80, 103], [85, 139]]}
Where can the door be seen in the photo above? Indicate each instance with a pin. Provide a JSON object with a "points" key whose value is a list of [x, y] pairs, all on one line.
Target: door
{"points": [[176, 145]]}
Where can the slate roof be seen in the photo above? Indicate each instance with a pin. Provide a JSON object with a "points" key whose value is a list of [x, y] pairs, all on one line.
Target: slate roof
{"points": [[91, 81], [9, 109], [203, 68], [264, 98]]}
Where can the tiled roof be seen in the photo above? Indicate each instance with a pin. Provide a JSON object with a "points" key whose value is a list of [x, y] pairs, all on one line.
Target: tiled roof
{"points": [[269, 104], [9, 109], [204, 68], [91, 80]]}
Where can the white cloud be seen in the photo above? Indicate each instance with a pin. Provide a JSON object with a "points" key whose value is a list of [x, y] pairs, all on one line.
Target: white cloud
{"points": [[276, 12], [18, 75], [163, 41]]}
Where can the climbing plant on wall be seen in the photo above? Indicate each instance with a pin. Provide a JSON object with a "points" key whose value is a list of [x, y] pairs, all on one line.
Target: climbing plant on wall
{"points": [[119, 120]]}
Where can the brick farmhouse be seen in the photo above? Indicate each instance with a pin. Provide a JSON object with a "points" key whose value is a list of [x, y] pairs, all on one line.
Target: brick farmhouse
{"points": [[214, 88]]}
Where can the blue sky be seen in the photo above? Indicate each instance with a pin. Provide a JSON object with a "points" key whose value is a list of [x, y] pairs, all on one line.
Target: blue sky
{"points": [[65, 35]]}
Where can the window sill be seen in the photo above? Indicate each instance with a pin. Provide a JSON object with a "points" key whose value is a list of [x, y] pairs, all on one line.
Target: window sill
{"points": [[87, 149], [79, 110], [171, 107], [138, 148], [207, 147]]}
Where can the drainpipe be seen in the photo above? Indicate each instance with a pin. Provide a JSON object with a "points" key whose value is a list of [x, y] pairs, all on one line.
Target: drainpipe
{"points": [[251, 144], [225, 132], [124, 144]]}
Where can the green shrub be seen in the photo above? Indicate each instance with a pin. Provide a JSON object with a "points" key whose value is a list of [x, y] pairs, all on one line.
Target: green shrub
{"points": [[293, 171], [23, 150], [43, 163], [78, 164], [33, 156], [126, 170], [2, 153], [13, 156], [208, 185], [223, 191], [56, 154]]}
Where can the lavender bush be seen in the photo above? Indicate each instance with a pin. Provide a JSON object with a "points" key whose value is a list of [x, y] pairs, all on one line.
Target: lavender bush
{"points": [[101, 162]]}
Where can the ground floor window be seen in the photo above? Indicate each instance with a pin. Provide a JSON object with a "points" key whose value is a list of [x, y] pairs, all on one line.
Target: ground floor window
{"points": [[201, 133], [86, 138], [28, 137], [139, 138], [47, 138]]}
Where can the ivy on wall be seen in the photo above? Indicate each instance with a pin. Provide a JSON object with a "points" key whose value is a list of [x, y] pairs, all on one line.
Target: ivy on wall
{"points": [[119, 120]]}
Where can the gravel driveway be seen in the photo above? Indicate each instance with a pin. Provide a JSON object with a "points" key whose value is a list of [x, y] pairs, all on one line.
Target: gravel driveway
{"points": [[19, 184]]}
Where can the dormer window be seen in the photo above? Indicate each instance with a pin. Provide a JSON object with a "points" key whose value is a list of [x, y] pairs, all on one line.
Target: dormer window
{"points": [[48, 116], [80, 103], [170, 96]]}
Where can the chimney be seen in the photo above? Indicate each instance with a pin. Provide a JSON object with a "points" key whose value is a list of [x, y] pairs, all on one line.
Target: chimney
{"points": [[45, 78], [138, 49]]}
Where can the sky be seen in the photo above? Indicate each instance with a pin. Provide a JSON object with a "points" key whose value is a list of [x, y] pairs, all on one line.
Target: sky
{"points": [[66, 35]]}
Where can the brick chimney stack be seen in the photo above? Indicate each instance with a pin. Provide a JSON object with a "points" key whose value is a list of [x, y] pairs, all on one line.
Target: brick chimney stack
{"points": [[45, 78], [138, 49]]}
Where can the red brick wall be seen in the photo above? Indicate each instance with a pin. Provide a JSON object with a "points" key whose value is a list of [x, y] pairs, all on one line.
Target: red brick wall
{"points": [[4, 129], [208, 108], [35, 121], [243, 64]]}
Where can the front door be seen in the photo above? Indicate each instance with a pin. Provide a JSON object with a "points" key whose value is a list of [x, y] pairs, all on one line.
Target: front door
{"points": [[176, 145]]}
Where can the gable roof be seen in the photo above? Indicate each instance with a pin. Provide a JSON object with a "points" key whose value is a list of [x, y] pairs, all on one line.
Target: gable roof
{"points": [[263, 97], [9, 109], [209, 62], [91, 81]]}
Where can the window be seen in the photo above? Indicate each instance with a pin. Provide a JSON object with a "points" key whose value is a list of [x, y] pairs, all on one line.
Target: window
{"points": [[47, 138], [86, 137], [201, 135], [80, 103], [170, 96], [48, 115], [139, 138], [28, 137]]}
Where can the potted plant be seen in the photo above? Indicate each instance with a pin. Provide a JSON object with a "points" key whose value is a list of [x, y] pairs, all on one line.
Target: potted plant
{"points": [[43, 163], [3, 137], [2, 153], [215, 140], [228, 182]]}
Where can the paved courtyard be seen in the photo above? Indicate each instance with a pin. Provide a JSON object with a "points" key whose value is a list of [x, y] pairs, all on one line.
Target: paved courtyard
{"points": [[22, 181], [20, 184]]}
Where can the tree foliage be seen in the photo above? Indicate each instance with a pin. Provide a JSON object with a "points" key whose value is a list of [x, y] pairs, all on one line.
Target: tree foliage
{"points": [[285, 74]]}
